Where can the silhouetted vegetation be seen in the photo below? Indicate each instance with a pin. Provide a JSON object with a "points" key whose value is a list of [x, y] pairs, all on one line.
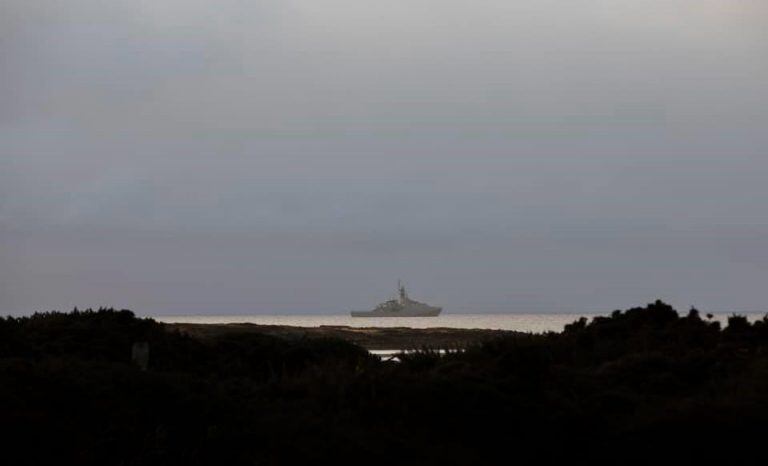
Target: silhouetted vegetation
{"points": [[642, 386]]}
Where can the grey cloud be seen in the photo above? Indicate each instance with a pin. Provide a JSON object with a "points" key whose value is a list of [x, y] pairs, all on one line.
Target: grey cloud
{"points": [[242, 156]]}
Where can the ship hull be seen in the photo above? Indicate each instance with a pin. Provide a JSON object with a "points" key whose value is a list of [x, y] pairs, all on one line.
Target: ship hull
{"points": [[433, 312]]}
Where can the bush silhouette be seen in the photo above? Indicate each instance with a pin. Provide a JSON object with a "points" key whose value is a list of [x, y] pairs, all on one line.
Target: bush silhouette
{"points": [[616, 389]]}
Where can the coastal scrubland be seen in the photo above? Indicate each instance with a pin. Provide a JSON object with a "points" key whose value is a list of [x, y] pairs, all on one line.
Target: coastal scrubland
{"points": [[642, 386]]}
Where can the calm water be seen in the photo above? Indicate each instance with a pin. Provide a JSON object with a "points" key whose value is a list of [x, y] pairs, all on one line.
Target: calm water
{"points": [[519, 322]]}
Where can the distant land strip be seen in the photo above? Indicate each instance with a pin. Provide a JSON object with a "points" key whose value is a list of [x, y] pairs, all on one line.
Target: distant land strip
{"points": [[371, 338]]}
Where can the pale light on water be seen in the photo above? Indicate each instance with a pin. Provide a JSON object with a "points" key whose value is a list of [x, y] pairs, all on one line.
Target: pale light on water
{"points": [[518, 322]]}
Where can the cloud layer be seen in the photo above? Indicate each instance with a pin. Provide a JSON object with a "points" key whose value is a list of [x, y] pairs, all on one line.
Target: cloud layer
{"points": [[276, 156]]}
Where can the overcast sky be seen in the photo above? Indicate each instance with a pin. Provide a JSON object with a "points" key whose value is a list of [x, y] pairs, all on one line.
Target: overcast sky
{"points": [[246, 156]]}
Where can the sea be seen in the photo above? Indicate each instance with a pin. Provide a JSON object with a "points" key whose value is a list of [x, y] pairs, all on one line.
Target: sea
{"points": [[521, 322]]}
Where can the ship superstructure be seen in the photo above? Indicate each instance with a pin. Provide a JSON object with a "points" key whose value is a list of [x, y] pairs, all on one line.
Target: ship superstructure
{"points": [[403, 306]]}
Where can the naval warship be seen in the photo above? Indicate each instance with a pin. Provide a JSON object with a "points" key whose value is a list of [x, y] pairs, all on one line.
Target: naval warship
{"points": [[403, 306]]}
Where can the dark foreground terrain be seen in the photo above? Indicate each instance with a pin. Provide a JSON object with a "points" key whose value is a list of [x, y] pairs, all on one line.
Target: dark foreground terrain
{"points": [[644, 386]]}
